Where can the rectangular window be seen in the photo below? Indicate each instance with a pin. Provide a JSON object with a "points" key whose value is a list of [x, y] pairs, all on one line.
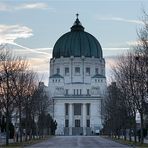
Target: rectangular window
{"points": [[77, 123], [87, 71], [58, 70], [88, 109], [77, 109], [66, 109], [77, 70], [66, 91], [80, 91], [66, 123], [88, 123], [66, 71], [77, 92], [102, 71], [96, 71], [88, 92], [74, 91]]}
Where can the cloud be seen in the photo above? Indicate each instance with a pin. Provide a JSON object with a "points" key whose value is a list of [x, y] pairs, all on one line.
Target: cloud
{"points": [[115, 48], [135, 43], [41, 66], [120, 19], [114, 51], [111, 61], [39, 51], [33, 6], [9, 33], [46, 55]]}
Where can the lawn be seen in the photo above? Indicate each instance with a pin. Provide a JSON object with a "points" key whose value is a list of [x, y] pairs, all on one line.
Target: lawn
{"points": [[127, 142], [27, 143]]}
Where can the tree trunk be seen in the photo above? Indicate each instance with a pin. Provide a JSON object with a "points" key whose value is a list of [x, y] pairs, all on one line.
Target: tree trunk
{"points": [[20, 124], [141, 132], [118, 132], [30, 127], [33, 132], [115, 134], [130, 138], [30, 134], [135, 130], [26, 126], [7, 114], [124, 134], [7, 126]]}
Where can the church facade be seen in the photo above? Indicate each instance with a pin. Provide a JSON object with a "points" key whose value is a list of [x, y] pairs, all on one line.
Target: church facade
{"points": [[77, 82]]}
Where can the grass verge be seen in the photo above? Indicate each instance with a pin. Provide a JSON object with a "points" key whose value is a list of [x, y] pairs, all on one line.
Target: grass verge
{"points": [[127, 142], [25, 143]]}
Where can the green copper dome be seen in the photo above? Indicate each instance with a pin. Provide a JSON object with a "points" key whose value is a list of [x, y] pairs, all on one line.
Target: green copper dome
{"points": [[77, 43]]}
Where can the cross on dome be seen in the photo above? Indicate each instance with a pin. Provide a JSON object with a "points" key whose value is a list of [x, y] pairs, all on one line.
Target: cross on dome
{"points": [[77, 15]]}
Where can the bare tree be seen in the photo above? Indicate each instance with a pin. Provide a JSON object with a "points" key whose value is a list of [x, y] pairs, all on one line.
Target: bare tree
{"points": [[131, 75], [141, 57], [116, 112], [28, 100], [42, 105], [17, 86], [124, 73], [8, 67]]}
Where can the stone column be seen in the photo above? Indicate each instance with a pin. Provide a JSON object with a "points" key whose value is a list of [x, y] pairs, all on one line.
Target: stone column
{"points": [[84, 119], [70, 118]]}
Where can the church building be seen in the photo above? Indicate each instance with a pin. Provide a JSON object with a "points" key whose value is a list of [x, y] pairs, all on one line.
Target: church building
{"points": [[77, 82]]}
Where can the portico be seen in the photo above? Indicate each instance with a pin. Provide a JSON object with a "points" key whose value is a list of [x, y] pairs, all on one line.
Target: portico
{"points": [[76, 116]]}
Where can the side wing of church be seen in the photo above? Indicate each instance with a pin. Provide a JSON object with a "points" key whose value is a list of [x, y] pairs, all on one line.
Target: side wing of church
{"points": [[77, 82]]}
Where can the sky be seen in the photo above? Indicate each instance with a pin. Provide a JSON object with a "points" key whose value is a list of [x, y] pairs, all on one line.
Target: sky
{"points": [[31, 27]]}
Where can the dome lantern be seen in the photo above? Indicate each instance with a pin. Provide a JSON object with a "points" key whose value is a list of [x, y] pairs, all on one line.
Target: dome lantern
{"points": [[77, 26]]}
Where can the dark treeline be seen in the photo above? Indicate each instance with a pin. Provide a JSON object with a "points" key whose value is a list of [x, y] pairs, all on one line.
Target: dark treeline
{"points": [[128, 94], [22, 100]]}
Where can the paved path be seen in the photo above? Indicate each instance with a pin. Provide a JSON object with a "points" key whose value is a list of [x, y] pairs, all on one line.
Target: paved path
{"points": [[78, 142]]}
